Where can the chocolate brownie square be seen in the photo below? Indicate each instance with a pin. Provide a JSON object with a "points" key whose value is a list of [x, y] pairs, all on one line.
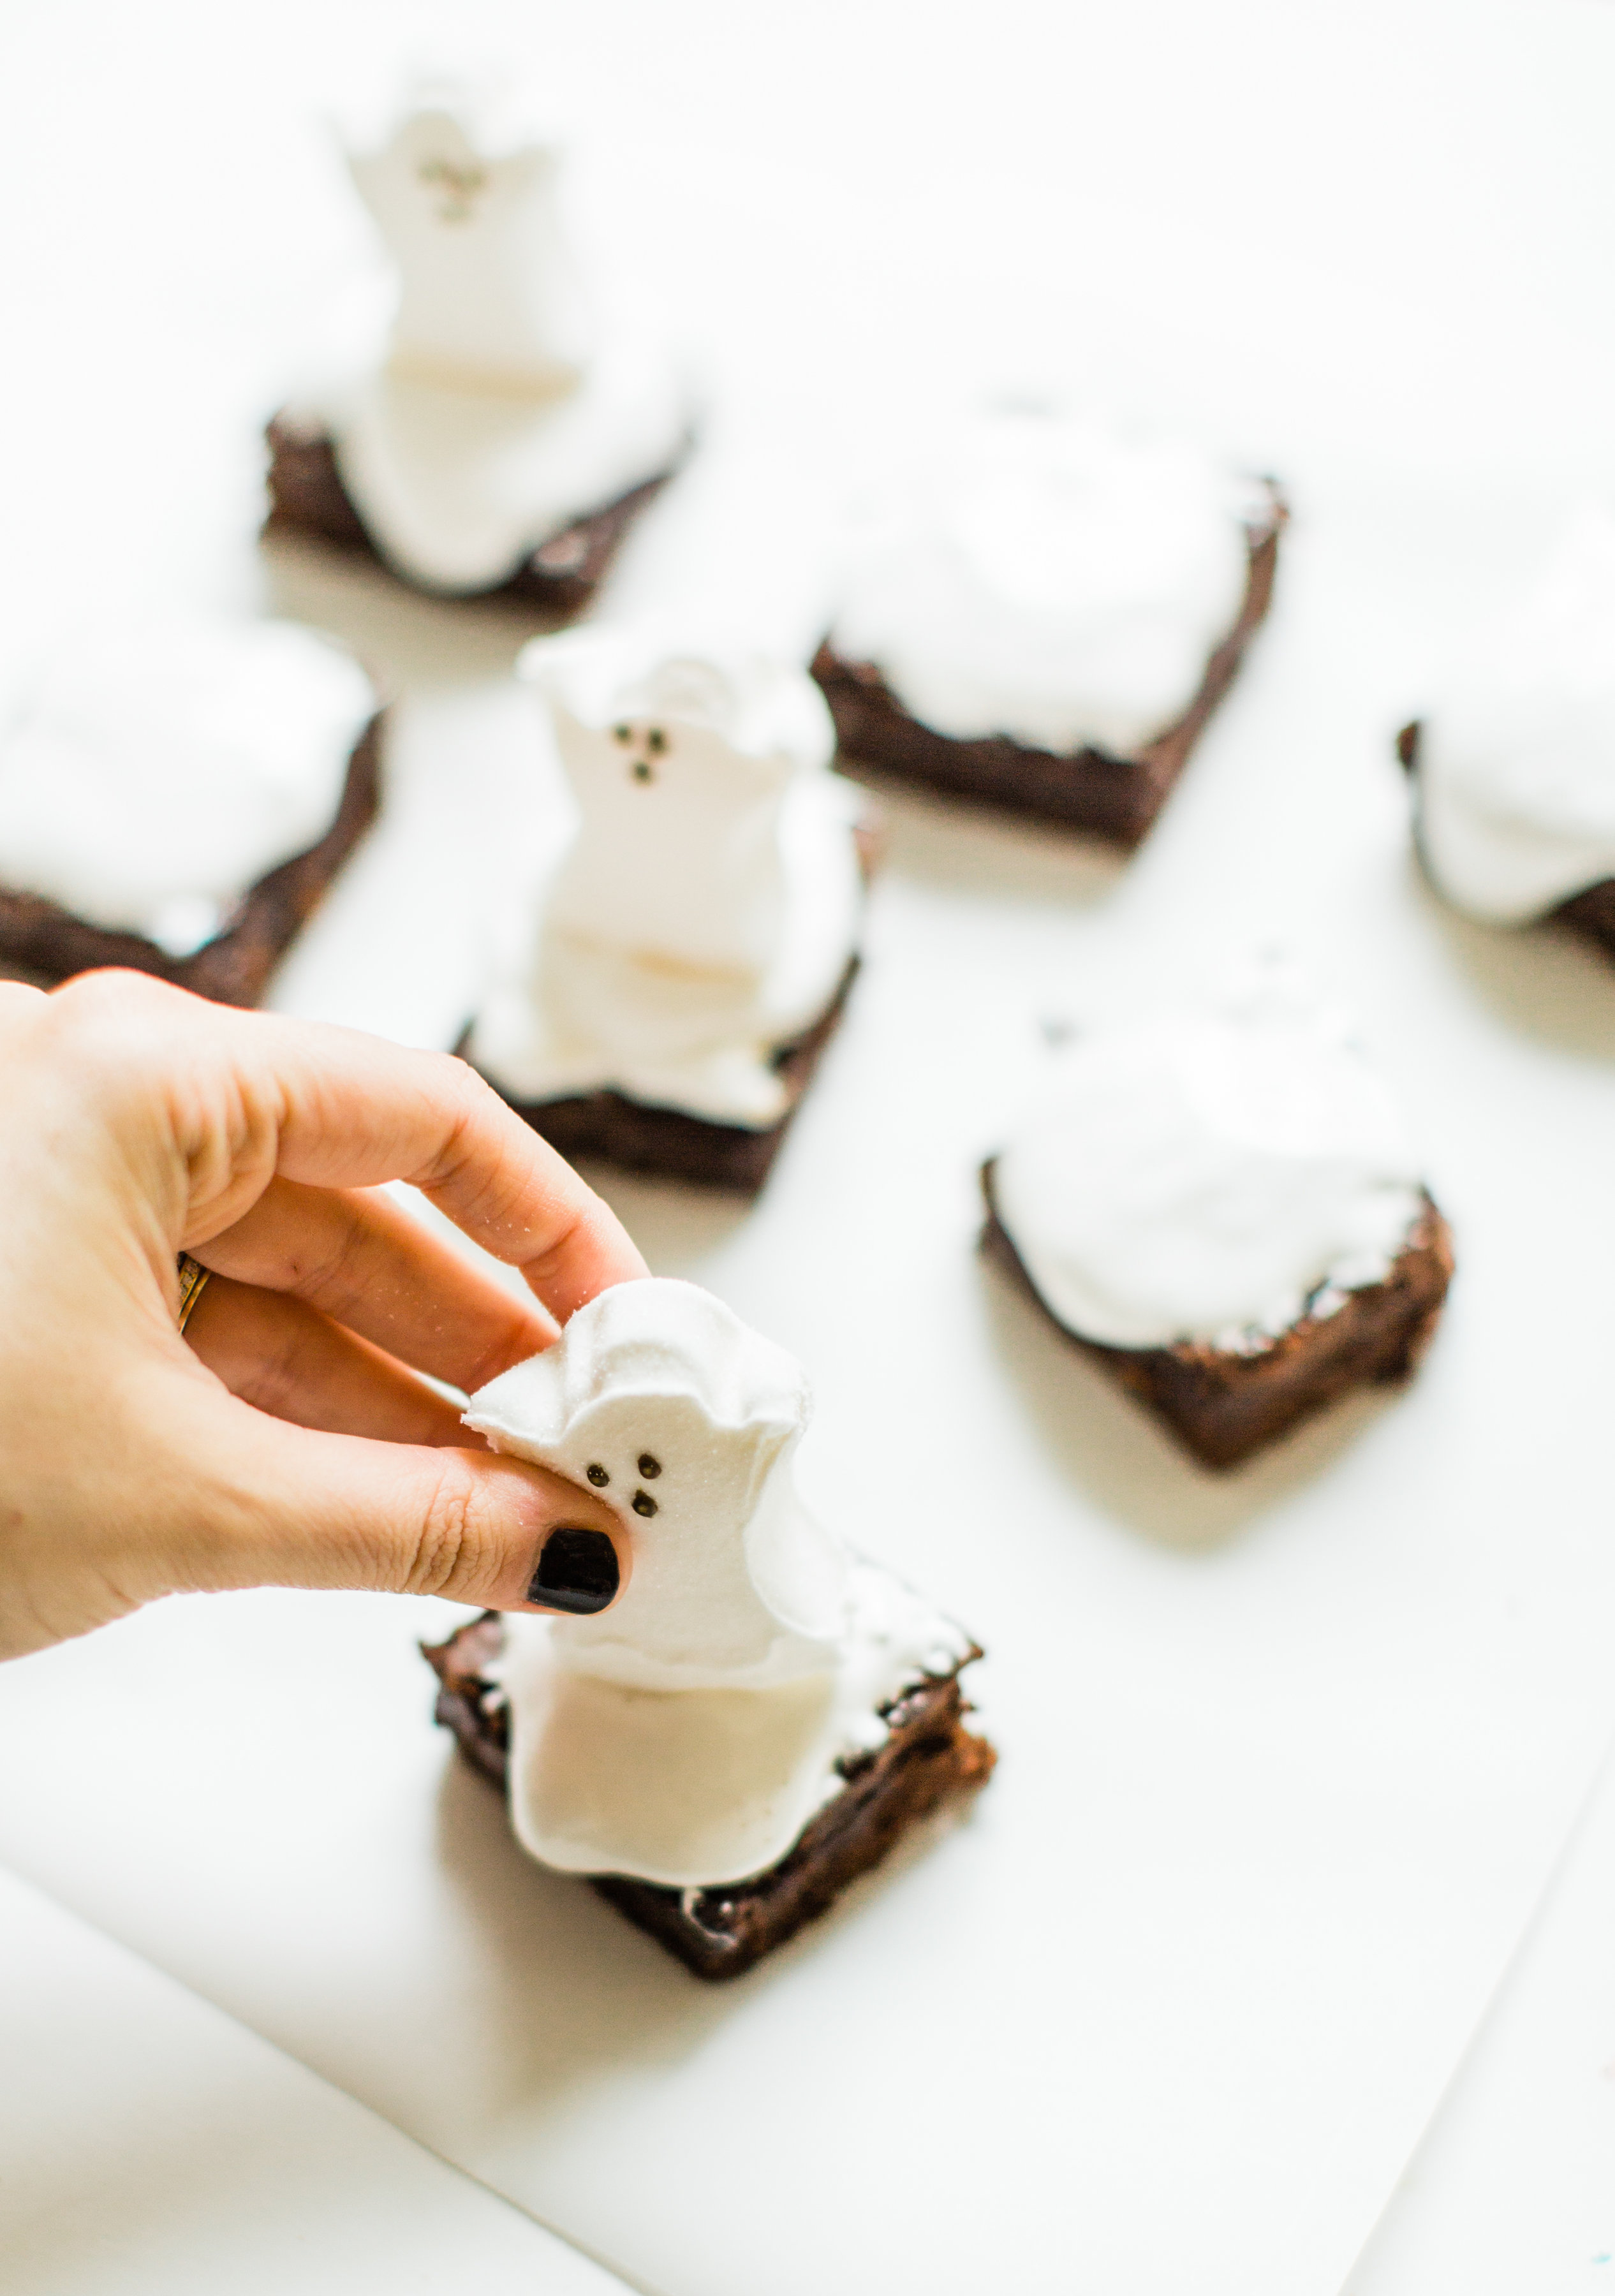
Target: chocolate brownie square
{"points": [[232, 967], [670, 1143], [1225, 1404], [307, 496], [927, 1756], [1114, 797]]}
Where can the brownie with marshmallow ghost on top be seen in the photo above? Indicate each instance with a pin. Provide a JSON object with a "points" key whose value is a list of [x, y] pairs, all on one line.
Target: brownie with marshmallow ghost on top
{"points": [[520, 416], [760, 1715], [691, 957]]}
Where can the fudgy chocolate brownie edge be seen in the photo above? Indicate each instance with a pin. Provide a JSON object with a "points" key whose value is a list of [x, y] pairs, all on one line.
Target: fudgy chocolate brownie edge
{"points": [[307, 496], [670, 1143], [928, 1756], [232, 967], [1223, 1403], [1114, 797]]}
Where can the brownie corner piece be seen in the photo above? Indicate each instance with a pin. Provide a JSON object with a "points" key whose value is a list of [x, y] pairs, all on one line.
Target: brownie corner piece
{"points": [[232, 967], [663, 1144], [670, 1143], [307, 496], [928, 1756], [1115, 798], [1224, 1404], [1591, 914]]}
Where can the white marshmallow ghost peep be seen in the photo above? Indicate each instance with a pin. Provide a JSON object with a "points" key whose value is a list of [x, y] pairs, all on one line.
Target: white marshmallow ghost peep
{"points": [[487, 289], [513, 400], [687, 1734], [706, 910]]}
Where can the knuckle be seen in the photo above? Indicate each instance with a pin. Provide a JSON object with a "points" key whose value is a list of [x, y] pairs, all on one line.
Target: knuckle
{"points": [[21, 1005], [118, 1034], [455, 1546], [486, 1152], [315, 1245], [113, 1005], [342, 1260], [563, 1235], [111, 989], [518, 1340]]}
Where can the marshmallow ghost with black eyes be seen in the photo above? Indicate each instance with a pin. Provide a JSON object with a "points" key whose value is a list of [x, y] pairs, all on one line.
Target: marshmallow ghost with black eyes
{"points": [[707, 910], [512, 399], [489, 294], [674, 1735]]}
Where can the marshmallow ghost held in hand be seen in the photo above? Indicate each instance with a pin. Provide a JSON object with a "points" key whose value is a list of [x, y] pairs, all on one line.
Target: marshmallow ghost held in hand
{"points": [[706, 910], [687, 1734]]}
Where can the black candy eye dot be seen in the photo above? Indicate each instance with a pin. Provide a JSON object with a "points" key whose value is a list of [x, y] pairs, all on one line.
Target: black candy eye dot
{"points": [[597, 1475], [642, 772], [649, 1468], [622, 733], [656, 740], [643, 1504]]}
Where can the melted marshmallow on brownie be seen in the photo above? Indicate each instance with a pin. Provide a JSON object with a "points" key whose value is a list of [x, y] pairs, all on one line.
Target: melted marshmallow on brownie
{"points": [[707, 908], [1049, 578], [512, 401], [1517, 761], [1210, 1176], [156, 768], [688, 1734]]}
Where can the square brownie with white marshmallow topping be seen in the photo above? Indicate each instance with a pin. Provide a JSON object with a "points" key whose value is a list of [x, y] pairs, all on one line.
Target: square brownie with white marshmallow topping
{"points": [[1042, 614], [521, 414], [177, 795], [757, 1716], [1222, 1209]]}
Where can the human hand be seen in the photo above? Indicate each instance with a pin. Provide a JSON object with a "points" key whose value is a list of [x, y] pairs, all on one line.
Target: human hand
{"points": [[284, 1439]]}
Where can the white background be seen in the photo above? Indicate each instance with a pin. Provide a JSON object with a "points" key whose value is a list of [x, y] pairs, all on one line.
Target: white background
{"points": [[151, 2147], [1288, 1756]]}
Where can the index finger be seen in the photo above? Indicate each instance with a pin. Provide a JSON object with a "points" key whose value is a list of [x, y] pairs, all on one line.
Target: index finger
{"points": [[356, 1111], [247, 1095]]}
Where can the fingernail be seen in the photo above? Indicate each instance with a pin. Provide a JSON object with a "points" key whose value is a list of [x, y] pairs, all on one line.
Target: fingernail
{"points": [[576, 1571]]}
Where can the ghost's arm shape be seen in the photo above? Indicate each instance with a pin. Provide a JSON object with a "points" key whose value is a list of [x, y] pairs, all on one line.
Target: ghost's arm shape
{"points": [[799, 1569]]}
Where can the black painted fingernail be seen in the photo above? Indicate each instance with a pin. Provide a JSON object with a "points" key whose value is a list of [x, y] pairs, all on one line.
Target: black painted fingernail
{"points": [[576, 1571]]}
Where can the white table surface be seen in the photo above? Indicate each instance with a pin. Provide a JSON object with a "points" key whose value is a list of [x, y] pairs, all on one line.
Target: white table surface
{"points": [[1289, 1757], [150, 2146], [1514, 2187]]}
